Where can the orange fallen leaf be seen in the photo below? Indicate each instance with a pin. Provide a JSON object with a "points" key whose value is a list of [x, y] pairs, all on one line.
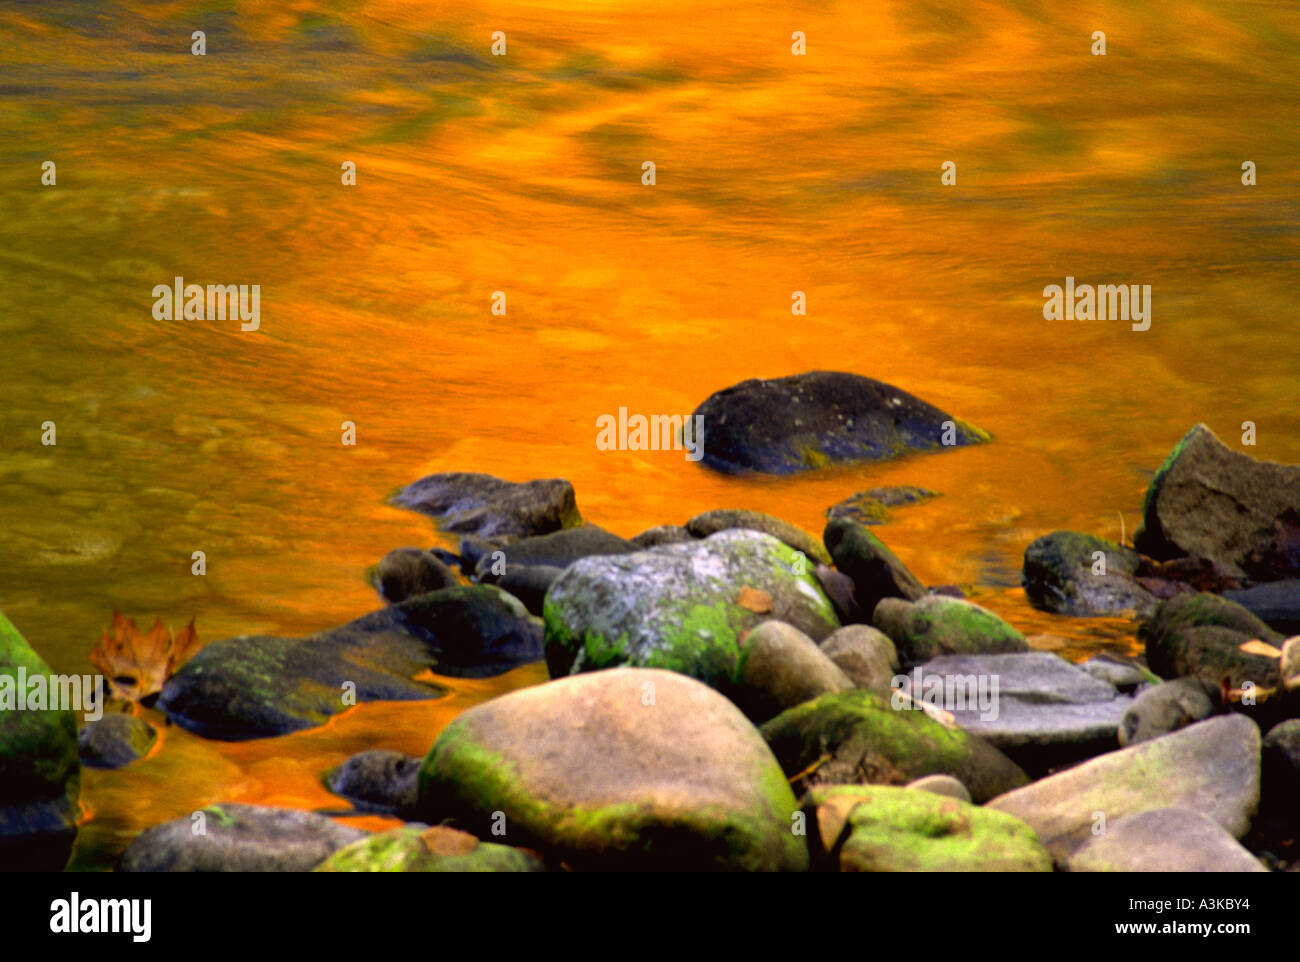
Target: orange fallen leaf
{"points": [[442, 840], [759, 602], [1257, 647], [137, 665]]}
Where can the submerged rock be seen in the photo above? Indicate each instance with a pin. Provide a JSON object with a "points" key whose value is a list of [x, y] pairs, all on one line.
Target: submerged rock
{"points": [[1062, 574], [1164, 840], [1211, 767], [114, 741], [874, 828], [711, 522], [680, 606], [809, 421], [857, 736], [872, 507], [938, 625], [377, 781], [489, 507], [419, 848], [1208, 501], [40, 776], [254, 687], [238, 838], [630, 768]]}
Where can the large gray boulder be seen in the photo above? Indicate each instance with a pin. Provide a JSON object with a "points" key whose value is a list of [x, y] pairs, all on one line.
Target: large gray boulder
{"points": [[1164, 840], [685, 607]]}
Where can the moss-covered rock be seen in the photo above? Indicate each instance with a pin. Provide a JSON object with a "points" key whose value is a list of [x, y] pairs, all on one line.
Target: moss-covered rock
{"points": [[239, 838], [418, 848], [711, 522], [115, 740], [813, 420], [40, 775], [489, 507], [857, 737], [1211, 767], [255, 687], [872, 507], [630, 768], [684, 607], [1202, 635], [874, 828], [875, 570], [1208, 501], [938, 625], [1062, 575]]}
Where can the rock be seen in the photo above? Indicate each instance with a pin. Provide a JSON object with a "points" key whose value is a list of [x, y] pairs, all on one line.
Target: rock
{"points": [[1060, 576], [941, 785], [663, 534], [1280, 771], [239, 838], [1036, 707], [1211, 767], [377, 781], [869, 741], [473, 550], [40, 777], [839, 589], [1124, 675], [782, 667], [937, 625], [1276, 603], [489, 507], [813, 420], [876, 571], [1164, 840], [863, 653], [680, 606], [1167, 707], [872, 507], [1208, 501], [406, 572], [1289, 663], [530, 585], [559, 549], [114, 741], [1202, 635], [255, 687], [882, 829], [419, 848], [630, 768], [711, 522]]}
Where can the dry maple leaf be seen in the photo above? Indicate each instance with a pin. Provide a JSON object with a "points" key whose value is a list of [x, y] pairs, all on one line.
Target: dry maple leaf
{"points": [[759, 602], [136, 665]]}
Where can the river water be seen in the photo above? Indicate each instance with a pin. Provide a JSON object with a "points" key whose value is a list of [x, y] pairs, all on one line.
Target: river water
{"points": [[521, 173]]}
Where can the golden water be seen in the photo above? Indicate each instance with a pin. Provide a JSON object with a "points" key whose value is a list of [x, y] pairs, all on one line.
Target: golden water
{"points": [[521, 174]]}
